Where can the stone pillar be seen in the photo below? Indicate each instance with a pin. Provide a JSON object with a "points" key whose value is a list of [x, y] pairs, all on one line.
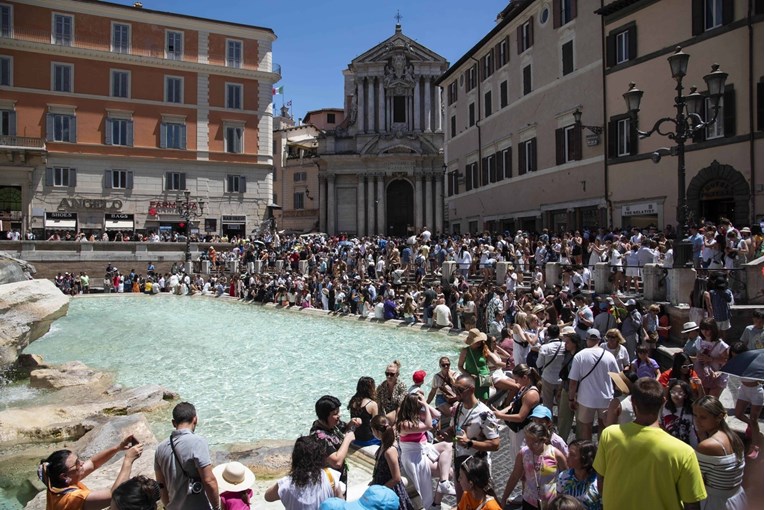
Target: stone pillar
{"points": [[188, 267], [278, 266], [680, 284], [381, 127], [652, 288], [360, 110], [417, 123], [205, 267], [371, 206], [448, 269], [428, 102], [380, 205], [257, 267], [429, 201], [552, 274], [754, 284], [360, 207], [303, 267], [501, 272], [439, 221], [331, 223], [439, 118], [600, 276], [371, 105], [417, 202]]}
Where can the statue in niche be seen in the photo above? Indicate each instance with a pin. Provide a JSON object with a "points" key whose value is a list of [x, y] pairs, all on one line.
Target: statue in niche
{"points": [[398, 72], [354, 109]]}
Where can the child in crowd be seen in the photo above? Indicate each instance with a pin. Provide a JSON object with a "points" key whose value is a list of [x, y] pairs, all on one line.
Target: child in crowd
{"points": [[645, 366], [677, 414], [234, 482]]}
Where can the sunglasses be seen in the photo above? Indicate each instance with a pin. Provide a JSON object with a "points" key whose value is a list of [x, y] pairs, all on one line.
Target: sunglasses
{"points": [[390, 374], [445, 365], [687, 367]]}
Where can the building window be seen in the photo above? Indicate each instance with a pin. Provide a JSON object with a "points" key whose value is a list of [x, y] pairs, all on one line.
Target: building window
{"points": [[452, 95], [453, 126], [507, 162], [566, 11], [623, 137], [713, 14], [487, 104], [120, 83], [621, 45], [7, 123], [527, 156], [298, 200], [234, 96], [717, 128], [470, 79], [503, 94], [503, 52], [175, 181], [491, 165], [120, 38], [471, 115], [6, 21], [330, 118], [488, 64], [62, 77], [61, 177], [527, 79], [568, 144], [119, 132], [399, 109], [236, 184], [233, 53], [63, 29], [452, 183], [174, 45], [525, 35], [118, 179], [6, 71], [471, 176], [61, 128], [300, 176], [234, 135], [567, 55], [172, 135], [173, 89]]}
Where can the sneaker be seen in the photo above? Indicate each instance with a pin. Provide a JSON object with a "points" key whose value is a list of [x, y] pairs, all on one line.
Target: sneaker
{"points": [[446, 487]]}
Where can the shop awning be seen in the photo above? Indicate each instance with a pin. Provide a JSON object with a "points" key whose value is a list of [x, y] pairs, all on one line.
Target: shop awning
{"points": [[118, 225], [64, 224]]}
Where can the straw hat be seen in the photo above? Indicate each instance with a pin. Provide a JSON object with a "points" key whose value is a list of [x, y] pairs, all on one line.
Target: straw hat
{"points": [[475, 335], [621, 381], [689, 326], [233, 477]]}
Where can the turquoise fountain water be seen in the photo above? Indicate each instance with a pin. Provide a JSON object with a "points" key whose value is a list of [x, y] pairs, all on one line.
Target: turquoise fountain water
{"points": [[253, 373]]}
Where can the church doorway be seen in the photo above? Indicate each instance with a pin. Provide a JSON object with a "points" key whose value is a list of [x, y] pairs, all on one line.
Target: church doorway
{"points": [[399, 202]]}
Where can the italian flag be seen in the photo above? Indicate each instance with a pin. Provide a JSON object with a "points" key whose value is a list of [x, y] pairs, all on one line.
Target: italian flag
{"points": [[277, 90]]}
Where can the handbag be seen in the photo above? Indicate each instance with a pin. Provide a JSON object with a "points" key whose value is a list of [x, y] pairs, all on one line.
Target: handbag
{"points": [[483, 379]]}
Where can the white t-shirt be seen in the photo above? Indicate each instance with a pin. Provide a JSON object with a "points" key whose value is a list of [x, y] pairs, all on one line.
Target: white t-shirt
{"points": [[547, 354], [304, 498], [443, 315], [479, 423], [596, 390], [620, 353]]}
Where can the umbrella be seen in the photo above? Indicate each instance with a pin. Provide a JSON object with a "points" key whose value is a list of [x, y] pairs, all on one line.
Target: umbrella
{"points": [[747, 365]]}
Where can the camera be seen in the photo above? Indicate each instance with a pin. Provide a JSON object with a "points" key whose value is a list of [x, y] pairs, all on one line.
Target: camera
{"points": [[195, 486]]}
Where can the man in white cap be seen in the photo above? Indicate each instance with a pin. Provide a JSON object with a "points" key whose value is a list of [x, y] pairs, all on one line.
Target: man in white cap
{"points": [[590, 389]]}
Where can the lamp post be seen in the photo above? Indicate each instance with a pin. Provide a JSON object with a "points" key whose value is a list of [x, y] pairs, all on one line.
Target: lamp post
{"points": [[686, 122], [189, 210]]}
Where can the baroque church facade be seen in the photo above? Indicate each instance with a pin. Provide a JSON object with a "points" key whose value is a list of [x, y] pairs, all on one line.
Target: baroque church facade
{"points": [[381, 169]]}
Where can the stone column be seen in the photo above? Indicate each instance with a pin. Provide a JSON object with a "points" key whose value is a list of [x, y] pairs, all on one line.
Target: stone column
{"points": [[331, 223], [417, 202], [428, 102], [360, 111], [370, 205], [439, 120], [322, 203], [439, 221], [552, 274], [417, 104], [381, 127], [680, 284], [371, 105], [380, 205], [360, 207], [448, 269], [501, 272], [600, 276], [652, 275], [429, 202]]}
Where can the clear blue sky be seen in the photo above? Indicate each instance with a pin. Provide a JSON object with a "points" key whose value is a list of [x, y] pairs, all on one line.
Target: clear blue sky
{"points": [[318, 39]]}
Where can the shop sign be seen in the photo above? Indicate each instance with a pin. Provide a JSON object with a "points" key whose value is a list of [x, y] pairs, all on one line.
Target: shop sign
{"points": [[68, 204], [61, 215], [640, 209], [234, 219], [592, 140], [118, 217], [168, 207]]}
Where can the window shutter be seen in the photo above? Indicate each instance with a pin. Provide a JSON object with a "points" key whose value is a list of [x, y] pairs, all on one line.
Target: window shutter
{"points": [[533, 165], [107, 179], [183, 137], [519, 38], [611, 50], [497, 53], [697, 16], [183, 181], [484, 172], [129, 133], [509, 163], [49, 176], [573, 9], [632, 41], [482, 68], [729, 111], [72, 178], [108, 125], [130, 180], [612, 131], [49, 127], [727, 14], [499, 175], [531, 31], [576, 150], [560, 146], [467, 79], [493, 66], [633, 126], [242, 184], [522, 158], [556, 13], [163, 136], [759, 105], [12, 123], [468, 178], [73, 129], [168, 181]]}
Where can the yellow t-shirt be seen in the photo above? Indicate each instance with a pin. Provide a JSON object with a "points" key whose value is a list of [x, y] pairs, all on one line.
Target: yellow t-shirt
{"points": [[467, 502], [70, 498], [644, 467]]}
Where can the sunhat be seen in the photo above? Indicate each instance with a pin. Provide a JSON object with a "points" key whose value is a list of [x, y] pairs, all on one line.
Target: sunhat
{"points": [[689, 326], [568, 330], [475, 335], [233, 477], [621, 381]]}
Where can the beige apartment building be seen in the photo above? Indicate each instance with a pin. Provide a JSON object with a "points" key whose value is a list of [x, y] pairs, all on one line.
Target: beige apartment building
{"points": [[724, 162], [515, 155]]}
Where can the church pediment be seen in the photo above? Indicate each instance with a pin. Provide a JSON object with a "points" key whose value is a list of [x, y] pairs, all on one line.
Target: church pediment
{"points": [[398, 44]]}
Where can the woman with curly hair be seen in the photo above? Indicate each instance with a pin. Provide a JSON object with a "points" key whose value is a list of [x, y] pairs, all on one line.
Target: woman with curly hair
{"points": [[138, 493], [363, 406], [309, 482]]}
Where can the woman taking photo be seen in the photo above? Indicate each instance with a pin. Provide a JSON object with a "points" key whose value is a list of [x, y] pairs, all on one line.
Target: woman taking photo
{"points": [[364, 407], [682, 370], [441, 386], [387, 470], [580, 479], [335, 434], [412, 427], [473, 361], [721, 457], [63, 471]]}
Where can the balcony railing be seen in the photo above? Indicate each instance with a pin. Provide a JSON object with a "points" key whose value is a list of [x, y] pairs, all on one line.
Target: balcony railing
{"points": [[22, 142]]}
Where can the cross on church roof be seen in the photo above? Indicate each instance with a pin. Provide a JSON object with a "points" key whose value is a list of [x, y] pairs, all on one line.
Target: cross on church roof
{"points": [[398, 17]]}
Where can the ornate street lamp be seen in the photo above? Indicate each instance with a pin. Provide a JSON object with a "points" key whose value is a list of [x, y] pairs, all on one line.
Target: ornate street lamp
{"points": [[189, 210], [686, 122]]}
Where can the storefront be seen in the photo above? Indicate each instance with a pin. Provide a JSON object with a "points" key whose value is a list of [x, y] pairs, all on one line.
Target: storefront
{"points": [[119, 222], [641, 215], [234, 226], [60, 223]]}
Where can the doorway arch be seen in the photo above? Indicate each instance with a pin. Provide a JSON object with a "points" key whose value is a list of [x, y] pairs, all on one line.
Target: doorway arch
{"points": [[399, 202], [719, 190]]}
